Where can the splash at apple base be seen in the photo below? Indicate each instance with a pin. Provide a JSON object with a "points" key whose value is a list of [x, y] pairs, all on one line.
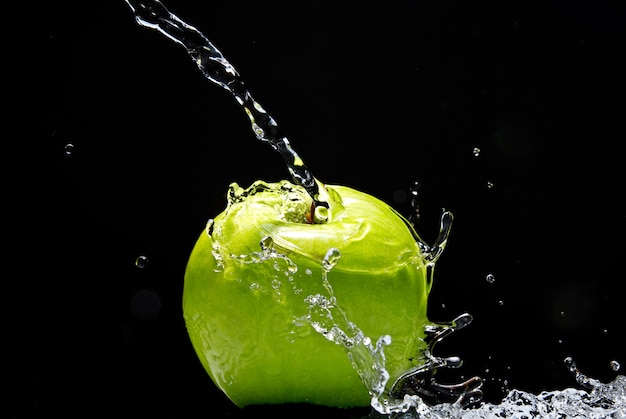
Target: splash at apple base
{"points": [[594, 400]]}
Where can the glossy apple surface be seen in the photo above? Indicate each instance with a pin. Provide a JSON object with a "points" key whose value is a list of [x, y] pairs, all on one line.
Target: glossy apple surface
{"points": [[246, 313]]}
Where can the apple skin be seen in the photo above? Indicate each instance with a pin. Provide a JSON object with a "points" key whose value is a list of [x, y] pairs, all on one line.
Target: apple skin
{"points": [[247, 321]]}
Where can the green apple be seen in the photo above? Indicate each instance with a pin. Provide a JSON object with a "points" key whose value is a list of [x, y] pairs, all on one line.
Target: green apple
{"points": [[247, 315]]}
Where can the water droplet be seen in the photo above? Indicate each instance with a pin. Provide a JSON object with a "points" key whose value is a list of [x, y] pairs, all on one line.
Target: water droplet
{"points": [[500, 303], [331, 259], [414, 189], [490, 185], [570, 364], [476, 152], [69, 149], [605, 331], [415, 208], [562, 314], [505, 386], [267, 245], [141, 261], [490, 278], [615, 366]]}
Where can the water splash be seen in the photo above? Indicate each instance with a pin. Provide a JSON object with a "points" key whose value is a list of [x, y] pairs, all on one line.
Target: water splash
{"points": [[596, 400], [324, 313], [415, 394], [420, 381], [326, 316], [216, 68], [320, 309]]}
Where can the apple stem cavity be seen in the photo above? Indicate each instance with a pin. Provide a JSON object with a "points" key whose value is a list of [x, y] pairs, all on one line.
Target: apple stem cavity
{"points": [[321, 215]]}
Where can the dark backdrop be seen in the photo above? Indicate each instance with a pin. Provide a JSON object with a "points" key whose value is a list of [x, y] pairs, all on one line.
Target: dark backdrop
{"points": [[374, 97]]}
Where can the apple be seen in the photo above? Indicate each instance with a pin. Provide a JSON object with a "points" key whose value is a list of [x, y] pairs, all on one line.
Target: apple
{"points": [[247, 307]]}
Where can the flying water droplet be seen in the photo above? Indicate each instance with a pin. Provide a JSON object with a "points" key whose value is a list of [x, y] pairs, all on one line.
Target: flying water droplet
{"points": [[615, 366], [69, 149], [490, 278], [141, 261], [414, 216], [476, 152], [415, 188]]}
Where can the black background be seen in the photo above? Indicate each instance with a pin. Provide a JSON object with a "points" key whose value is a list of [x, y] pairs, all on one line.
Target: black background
{"points": [[375, 97]]}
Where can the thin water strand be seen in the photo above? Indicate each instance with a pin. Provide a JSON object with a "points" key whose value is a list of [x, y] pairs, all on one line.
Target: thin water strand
{"points": [[216, 68], [435, 251]]}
